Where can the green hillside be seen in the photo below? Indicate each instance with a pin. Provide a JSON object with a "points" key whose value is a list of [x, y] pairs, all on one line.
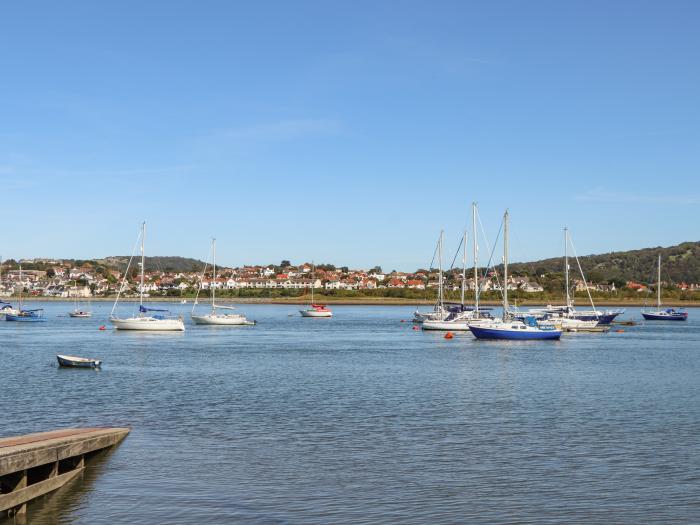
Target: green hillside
{"points": [[680, 263]]}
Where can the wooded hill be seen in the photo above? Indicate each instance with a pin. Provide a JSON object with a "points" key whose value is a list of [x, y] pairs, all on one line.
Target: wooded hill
{"points": [[156, 263], [679, 263]]}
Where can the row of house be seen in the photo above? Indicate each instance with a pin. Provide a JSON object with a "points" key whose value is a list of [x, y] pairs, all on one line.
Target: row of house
{"points": [[66, 280]]}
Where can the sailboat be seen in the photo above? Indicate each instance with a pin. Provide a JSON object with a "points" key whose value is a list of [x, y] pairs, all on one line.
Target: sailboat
{"points": [[214, 317], [5, 308], [77, 311], [25, 315], [567, 317], [507, 327], [157, 322], [660, 314], [315, 310], [458, 318], [439, 312]]}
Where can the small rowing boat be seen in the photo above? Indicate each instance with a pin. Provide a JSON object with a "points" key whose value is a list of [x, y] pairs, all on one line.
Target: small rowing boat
{"points": [[77, 362]]}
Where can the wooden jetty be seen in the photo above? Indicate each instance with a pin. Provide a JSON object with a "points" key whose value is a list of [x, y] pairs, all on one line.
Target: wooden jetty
{"points": [[36, 464]]}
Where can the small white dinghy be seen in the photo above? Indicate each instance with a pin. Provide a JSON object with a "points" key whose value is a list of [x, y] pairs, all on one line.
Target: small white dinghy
{"points": [[77, 362]]}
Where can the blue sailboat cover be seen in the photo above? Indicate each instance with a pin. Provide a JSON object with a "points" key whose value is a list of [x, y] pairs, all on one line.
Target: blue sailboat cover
{"points": [[143, 309]]}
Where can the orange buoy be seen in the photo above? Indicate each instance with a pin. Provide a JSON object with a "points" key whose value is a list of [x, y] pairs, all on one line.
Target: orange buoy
{"points": [[102, 327], [619, 331], [449, 335]]}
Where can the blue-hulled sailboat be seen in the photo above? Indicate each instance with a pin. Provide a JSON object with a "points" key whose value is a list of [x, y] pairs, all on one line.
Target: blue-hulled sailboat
{"points": [[663, 314], [25, 315], [508, 328]]}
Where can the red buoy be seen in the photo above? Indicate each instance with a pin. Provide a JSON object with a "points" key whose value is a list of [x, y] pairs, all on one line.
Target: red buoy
{"points": [[415, 328], [102, 327]]}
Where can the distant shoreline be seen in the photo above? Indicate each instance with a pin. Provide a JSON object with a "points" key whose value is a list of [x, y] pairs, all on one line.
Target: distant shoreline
{"points": [[357, 301]]}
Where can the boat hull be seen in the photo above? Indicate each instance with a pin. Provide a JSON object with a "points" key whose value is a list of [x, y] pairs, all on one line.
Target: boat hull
{"points": [[483, 332], [77, 362], [450, 326], [662, 316], [222, 320], [315, 313], [603, 319], [149, 324], [80, 314], [24, 318]]}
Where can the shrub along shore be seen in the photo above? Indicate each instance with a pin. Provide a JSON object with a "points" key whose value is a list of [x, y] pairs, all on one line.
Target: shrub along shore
{"points": [[395, 297]]}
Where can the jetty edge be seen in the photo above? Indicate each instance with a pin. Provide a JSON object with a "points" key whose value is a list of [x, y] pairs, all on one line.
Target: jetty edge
{"points": [[36, 464]]}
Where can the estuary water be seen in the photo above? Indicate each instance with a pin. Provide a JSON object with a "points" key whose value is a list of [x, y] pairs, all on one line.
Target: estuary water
{"points": [[361, 419]]}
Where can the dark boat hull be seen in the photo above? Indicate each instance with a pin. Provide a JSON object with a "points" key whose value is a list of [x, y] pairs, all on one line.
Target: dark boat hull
{"points": [[513, 335], [678, 316], [602, 319]]}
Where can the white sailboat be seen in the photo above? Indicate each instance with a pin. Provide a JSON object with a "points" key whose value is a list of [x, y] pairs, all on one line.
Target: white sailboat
{"points": [[439, 312], [214, 317], [77, 311], [315, 310], [157, 321], [567, 317], [455, 321]]}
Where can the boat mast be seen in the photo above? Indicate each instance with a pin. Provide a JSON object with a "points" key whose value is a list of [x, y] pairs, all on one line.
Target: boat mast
{"points": [[464, 265], [658, 287], [313, 278], [566, 268], [21, 286], [143, 259], [440, 297], [476, 250], [213, 258], [505, 265]]}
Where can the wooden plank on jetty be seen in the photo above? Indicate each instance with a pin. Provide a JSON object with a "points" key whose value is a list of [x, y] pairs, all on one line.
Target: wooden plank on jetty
{"points": [[36, 464]]}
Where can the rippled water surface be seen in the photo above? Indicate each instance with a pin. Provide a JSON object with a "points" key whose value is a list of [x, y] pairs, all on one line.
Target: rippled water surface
{"points": [[360, 419]]}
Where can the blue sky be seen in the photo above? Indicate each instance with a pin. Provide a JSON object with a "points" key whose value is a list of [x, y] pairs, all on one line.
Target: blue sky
{"points": [[346, 132]]}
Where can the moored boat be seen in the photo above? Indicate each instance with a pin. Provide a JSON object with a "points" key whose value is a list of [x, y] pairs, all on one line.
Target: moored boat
{"points": [[80, 313], [77, 311], [508, 328], [77, 362], [669, 314], [315, 310], [663, 314], [34, 315], [159, 321], [24, 315], [514, 330], [215, 317]]}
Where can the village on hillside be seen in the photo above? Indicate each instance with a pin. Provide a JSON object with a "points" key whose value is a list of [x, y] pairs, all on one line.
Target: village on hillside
{"points": [[65, 279]]}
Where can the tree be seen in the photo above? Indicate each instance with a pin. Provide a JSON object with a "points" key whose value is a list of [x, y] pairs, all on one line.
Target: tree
{"points": [[285, 264]]}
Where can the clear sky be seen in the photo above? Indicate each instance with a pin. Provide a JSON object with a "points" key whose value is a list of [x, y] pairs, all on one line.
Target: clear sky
{"points": [[346, 132]]}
